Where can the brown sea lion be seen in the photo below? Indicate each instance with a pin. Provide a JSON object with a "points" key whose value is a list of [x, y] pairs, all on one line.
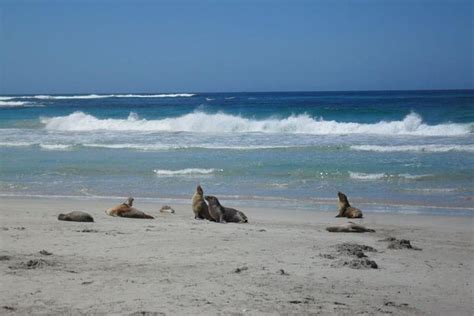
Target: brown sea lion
{"points": [[345, 209], [349, 228], [200, 209], [126, 210], [76, 216], [223, 214]]}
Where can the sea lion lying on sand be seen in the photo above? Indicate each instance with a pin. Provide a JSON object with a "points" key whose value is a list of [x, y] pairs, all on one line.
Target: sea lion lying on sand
{"points": [[126, 210], [200, 209], [166, 209], [345, 209], [223, 214], [76, 216], [349, 228]]}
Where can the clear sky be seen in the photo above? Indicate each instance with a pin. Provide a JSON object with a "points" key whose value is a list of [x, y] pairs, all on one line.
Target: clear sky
{"points": [[204, 46]]}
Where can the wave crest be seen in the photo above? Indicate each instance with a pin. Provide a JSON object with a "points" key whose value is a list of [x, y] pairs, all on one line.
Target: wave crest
{"points": [[187, 171], [384, 176], [432, 148], [102, 96], [200, 122], [17, 104]]}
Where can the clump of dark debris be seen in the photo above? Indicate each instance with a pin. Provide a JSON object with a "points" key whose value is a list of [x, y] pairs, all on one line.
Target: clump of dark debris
{"points": [[358, 259], [327, 256], [88, 230], [395, 243], [238, 270], [32, 264], [358, 263], [45, 253], [5, 258], [352, 249]]}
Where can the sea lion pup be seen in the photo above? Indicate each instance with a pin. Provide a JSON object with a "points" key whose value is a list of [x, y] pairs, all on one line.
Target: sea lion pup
{"points": [[166, 209], [76, 216], [200, 209], [349, 228], [223, 214], [126, 210], [345, 209]]}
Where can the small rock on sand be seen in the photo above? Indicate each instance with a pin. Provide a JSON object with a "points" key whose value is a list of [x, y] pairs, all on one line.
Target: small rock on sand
{"points": [[238, 270]]}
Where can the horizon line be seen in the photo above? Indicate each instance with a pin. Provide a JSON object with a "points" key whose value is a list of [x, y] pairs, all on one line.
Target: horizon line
{"points": [[215, 92]]}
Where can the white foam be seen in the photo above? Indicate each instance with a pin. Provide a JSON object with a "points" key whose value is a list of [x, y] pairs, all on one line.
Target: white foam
{"points": [[163, 147], [102, 96], [169, 95], [144, 147], [200, 122], [384, 176], [16, 144], [17, 104], [366, 176], [6, 98], [431, 148], [55, 146], [187, 171]]}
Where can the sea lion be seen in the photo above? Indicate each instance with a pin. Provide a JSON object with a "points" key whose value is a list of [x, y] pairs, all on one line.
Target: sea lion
{"points": [[223, 214], [200, 209], [126, 210], [349, 228], [76, 216], [345, 209], [166, 209]]}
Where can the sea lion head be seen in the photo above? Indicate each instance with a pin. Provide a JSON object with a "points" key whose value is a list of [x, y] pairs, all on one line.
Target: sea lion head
{"points": [[343, 201], [62, 217], [199, 190], [342, 197], [212, 200], [130, 201]]}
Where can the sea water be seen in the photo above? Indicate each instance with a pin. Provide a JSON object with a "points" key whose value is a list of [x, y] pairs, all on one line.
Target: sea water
{"points": [[398, 151]]}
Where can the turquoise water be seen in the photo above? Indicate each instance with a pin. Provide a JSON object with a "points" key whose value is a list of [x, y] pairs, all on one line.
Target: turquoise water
{"points": [[409, 152]]}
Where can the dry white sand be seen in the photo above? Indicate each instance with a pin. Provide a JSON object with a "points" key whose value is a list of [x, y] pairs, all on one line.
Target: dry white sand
{"points": [[176, 265]]}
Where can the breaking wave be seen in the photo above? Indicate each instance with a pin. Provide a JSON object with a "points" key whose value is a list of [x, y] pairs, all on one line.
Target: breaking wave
{"points": [[415, 148], [187, 171], [412, 124]]}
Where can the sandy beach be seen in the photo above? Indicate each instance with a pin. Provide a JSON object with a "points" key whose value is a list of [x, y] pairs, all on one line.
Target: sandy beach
{"points": [[281, 262]]}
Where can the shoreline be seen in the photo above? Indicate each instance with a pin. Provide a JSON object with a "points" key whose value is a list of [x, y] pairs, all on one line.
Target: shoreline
{"points": [[281, 262], [323, 205]]}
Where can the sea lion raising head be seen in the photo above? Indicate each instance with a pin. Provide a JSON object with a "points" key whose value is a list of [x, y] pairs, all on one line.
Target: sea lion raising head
{"points": [[76, 216], [126, 210], [223, 214], [345, 209], [200, 209]]}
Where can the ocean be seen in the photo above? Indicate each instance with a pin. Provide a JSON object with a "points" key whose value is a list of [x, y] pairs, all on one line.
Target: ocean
{"points": [[407, 152]]}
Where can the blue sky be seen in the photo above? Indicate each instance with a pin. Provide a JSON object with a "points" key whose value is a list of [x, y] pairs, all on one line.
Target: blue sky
{"points": [[198, 46]]}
